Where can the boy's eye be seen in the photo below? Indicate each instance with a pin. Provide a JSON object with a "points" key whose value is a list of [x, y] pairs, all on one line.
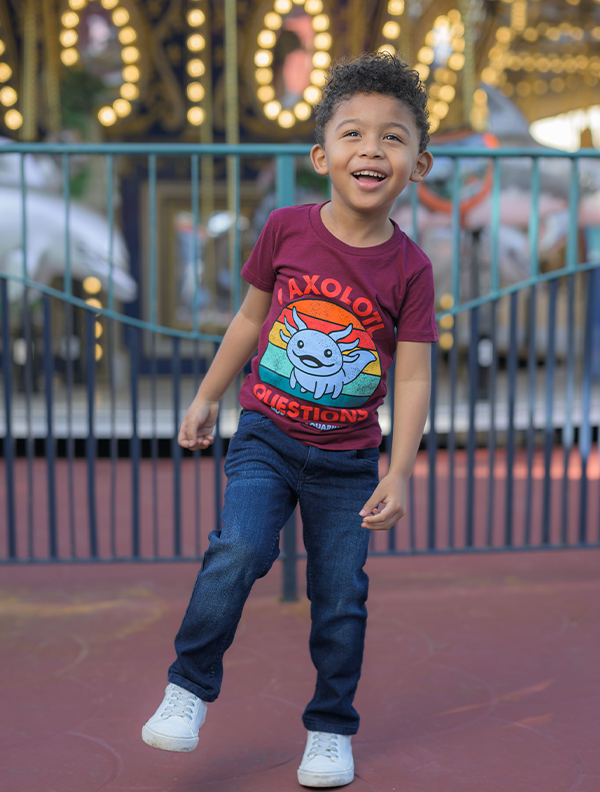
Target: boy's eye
{"points": [[393, 137], [351, 133]]}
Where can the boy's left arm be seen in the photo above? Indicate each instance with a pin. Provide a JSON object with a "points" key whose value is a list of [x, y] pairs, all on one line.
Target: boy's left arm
{"points": [[412, 384]]}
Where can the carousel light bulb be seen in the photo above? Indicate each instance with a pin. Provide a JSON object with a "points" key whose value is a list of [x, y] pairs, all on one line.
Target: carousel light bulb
{"points": [[127, 35], [387, 47], [109, 4], [286, 119], [480, 97], [196, 42], [318, 77], [391, 30], [69, 56], [196, 68], [313, 6], [553, 33], [302, 111], [98, 353], [312, 94], [98, 329], [540, 87], [77, 5], [458, 30], [456, 61], [320, 22], [68, 38], [129, 91], [530, 34], [13, 119], [577, 33], [423, 70], [92, 285], [426, 55], [5, 72], [323, 41], [272, 21], [442, 21], [93, 303], [504, 35], [447, 93], [489, 76], [196, 115], [458, 44], [120, 17], [8, 96], [195, 92], [266, 93], [195, 17], [70, 19], [263, 76], [440, 109], [396, 7], [266, 38], [283, 6], [272, 109], [454, 16], [263, 58], [2, 47], [433, 124], [130, 54], [107, 116], [122, 107], [321, 60]]}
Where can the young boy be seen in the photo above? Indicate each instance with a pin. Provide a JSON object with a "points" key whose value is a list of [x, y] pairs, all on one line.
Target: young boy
{"points": [[335, 291]]}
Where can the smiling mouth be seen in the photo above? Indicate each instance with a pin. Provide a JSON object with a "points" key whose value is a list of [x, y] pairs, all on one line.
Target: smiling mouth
{"points": [[369, 176], [312, 362]]}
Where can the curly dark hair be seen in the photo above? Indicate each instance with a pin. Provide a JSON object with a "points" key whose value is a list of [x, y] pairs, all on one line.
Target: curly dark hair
{"points": [[377, 72]]}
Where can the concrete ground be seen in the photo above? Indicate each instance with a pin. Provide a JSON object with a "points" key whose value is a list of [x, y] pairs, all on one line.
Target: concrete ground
{"points": [[482, 674]]}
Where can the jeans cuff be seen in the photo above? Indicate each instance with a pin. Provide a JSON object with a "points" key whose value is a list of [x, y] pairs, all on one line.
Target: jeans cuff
{"points": [[190, 687], [329, 728]]}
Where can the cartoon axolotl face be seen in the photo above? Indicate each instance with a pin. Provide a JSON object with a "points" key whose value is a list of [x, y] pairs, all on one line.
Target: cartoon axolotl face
{"points": [[318, 360]]}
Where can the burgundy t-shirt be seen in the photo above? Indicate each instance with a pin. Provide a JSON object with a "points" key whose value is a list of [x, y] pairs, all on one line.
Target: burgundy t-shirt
{"points": [[331, 333]]}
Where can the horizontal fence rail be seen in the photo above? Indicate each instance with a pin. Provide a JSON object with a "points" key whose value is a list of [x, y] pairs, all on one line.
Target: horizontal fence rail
{"points": [[94, 386]]}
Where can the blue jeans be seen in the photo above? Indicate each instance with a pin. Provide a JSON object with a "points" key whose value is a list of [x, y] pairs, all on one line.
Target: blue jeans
{"points": [[268, 473]]}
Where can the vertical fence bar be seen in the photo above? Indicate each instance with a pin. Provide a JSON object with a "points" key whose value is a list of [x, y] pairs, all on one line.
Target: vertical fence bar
{"points": [[549, 411], [456, 228], [197, 457], [534, 220], [50, 444], [585, 430], [135, 443], [110, 334], [110, 214], [473, 383], [285, 180], [176, 450], [573, 236], [495, 229], [492, 430], [154, 444], [531, 392], [90, 443], [9, 448], [69, 354], [452, 432], [510, 439], [432, 453], [567, 432], [27, 372]]}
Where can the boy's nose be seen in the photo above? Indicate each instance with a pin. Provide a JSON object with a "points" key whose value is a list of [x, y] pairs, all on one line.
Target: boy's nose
{"points": [[371, 149]]}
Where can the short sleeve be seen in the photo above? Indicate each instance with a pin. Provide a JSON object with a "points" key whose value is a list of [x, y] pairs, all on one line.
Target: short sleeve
{"points": [[258, 270], [416, 320]]}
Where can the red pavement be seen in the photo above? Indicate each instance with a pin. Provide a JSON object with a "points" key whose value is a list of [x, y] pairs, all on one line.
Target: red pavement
{"points": [[481, 675]]}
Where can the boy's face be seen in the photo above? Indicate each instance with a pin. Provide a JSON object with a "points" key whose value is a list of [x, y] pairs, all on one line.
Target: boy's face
{"points": [[371, 152]]}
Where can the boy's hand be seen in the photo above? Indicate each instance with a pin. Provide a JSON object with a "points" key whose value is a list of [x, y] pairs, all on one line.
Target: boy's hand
{"points": [[196, 430], [386, 505]]}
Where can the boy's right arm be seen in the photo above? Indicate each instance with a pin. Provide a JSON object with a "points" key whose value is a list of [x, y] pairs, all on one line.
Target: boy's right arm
{"points": [[238, 345]]}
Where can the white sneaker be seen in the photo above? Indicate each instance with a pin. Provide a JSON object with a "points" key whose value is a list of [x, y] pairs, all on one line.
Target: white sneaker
{"points": [[327, 760], [175, 724]]}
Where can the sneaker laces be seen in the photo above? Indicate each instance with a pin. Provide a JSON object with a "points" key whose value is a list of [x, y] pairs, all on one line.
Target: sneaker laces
{"points": [[323, 744], [181, 703]]}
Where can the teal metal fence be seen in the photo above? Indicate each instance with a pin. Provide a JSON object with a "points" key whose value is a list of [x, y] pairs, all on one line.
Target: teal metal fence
{"points": [[92, 471]]}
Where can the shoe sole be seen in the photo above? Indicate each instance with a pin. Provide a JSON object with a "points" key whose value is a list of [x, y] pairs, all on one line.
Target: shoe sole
{"points": [[182, 745], [325, 779]]}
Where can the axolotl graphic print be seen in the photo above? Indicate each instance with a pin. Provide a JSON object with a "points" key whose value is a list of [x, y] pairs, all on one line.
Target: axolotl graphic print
{"points": [[320, 352]]}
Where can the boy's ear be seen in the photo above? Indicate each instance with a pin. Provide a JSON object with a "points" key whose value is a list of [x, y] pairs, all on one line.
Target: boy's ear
{"points": [[319, 161], [423, 166]]}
